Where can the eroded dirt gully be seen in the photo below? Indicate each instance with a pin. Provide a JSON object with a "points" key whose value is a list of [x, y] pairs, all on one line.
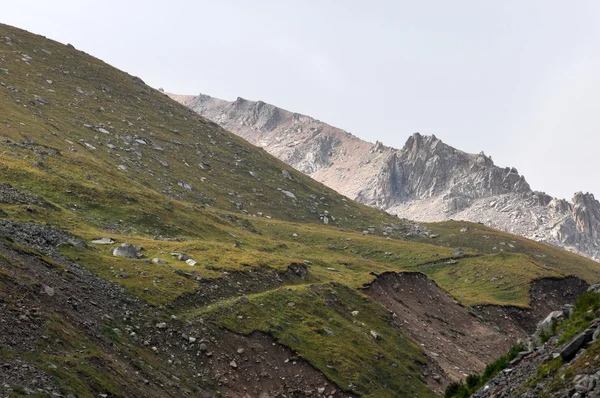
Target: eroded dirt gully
{"points": [[459, 340]]}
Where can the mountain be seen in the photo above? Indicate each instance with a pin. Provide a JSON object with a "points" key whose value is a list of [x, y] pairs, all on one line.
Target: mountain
{"points": [[146, 251], [427, 180]]}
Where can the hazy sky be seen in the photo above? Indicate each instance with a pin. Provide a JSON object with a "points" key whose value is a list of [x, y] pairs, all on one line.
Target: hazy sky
{"points": [[519, 79]]}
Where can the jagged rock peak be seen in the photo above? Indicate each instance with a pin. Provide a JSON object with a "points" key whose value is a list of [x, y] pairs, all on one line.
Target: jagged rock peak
{"points": [[425, 146], [584, 198], [203, 98]]}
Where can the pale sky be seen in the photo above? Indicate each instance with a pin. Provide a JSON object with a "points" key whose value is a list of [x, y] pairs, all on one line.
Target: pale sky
{"points": [[518, 79]]}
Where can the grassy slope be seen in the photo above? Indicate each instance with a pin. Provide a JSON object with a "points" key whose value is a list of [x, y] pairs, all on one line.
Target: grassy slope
{"points": [[218, 222]]}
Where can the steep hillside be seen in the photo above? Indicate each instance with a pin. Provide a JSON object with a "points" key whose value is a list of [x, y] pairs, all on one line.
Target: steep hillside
{"points": [[145, 251], [426, 180], [561, 359]]}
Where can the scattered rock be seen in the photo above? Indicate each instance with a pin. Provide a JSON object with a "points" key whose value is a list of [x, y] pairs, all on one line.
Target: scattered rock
{"points": [[48, 290], [125, 250], [180, 256], [288, 194], [458, 252], [103, 241]]}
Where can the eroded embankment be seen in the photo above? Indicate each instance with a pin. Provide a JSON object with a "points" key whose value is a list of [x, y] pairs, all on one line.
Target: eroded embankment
{"points": [[454, 338], [462, 340], [240, 283], [545, 295]]}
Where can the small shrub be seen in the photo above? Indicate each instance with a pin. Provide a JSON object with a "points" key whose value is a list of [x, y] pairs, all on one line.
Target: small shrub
{"points": [[453, 389], [472, 381], [515, 350], [544, 337], [587, 301]]}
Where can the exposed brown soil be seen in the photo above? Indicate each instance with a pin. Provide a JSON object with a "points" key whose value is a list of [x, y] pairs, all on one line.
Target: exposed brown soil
{"points": [[545, 294], [454, 338], [263, 369], [457, 339]]}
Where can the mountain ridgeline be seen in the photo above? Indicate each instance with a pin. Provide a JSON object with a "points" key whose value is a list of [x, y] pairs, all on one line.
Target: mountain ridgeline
{"points": [[145, 251], [427, 180]]}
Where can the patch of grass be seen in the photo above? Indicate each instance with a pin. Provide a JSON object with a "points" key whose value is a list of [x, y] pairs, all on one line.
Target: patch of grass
{"points": [[484, 239], [544, 370], [586, 306], [500, 279], [316, 322]]}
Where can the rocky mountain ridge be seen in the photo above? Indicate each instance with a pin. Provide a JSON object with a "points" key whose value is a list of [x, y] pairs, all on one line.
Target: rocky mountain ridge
{"points": [[427, 180]]}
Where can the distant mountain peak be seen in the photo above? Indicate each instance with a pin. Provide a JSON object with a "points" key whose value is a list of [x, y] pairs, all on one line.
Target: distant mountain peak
{"points": [[425, 180]]}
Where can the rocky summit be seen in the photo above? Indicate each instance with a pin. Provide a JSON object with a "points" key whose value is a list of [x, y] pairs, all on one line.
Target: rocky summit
{"points": [[426, 180]]}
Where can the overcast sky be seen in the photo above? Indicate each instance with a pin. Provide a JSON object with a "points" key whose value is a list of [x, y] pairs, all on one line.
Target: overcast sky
{"points": [[518, 79]]}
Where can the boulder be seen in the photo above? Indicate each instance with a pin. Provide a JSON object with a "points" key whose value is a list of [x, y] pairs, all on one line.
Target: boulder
{"points": [[594, 288], [289, 194], [125, 250], [157, 260], [180, 256], [571, 348], [546, 325], [568, 310], [458, 252], [103, 241]]}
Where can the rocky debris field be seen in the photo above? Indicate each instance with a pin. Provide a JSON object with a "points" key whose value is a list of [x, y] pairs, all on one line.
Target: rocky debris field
{"points": [[566, 364], [36, 236], [52, 310], [10, 195]]}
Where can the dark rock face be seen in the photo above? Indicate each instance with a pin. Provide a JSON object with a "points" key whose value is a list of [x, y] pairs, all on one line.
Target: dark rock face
{"points": [[426, 180]]}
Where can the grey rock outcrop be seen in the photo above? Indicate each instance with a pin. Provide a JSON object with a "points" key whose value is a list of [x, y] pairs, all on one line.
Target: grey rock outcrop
{"points": [[125, 250], [426, 180]]}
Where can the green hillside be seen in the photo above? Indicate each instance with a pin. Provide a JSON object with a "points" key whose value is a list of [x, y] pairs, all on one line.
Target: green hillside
{"points": [[93, 151]]}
